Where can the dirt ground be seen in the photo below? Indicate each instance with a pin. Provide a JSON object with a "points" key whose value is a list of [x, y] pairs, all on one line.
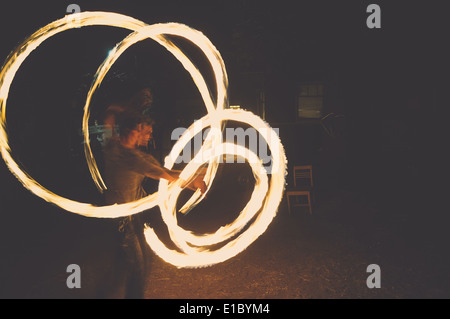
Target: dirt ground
{"points": [[320, 256]]}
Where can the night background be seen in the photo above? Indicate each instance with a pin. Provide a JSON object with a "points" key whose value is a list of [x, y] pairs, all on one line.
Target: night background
{"points": [[377, 148]]}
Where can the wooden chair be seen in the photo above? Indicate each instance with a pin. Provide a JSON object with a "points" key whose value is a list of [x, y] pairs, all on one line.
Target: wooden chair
{"points": [[303, 186]]}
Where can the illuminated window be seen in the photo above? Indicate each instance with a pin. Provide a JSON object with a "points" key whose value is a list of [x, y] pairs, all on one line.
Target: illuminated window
{"points": [[310, 100]]}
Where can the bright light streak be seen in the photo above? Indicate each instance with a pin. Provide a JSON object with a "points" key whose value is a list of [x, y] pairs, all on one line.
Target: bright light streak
{"points": [[194, 250]]}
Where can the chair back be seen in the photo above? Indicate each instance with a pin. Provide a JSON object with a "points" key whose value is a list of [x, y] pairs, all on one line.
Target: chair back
{"points": [[303, 176]]}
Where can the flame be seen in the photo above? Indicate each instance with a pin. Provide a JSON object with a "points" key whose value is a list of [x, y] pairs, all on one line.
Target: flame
{"points": [[194, 250]]}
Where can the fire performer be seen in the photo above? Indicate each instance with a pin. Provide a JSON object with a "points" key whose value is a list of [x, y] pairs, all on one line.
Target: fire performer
{"points": [[126, 166]]}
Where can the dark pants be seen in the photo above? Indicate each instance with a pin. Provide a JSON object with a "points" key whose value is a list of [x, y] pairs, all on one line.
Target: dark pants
{"points": [[126, 274], [134, 255]]}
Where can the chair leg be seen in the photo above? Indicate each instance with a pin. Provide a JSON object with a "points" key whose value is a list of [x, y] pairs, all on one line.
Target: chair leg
{"points": [[309, 204], [289, 204]]}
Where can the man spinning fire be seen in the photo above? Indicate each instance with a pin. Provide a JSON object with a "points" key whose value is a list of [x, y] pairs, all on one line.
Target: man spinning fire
{"points": [[126, 167]]}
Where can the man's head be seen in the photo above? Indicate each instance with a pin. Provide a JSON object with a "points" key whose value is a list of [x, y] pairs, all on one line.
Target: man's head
{"points": [[145, 131], [135, 129]]}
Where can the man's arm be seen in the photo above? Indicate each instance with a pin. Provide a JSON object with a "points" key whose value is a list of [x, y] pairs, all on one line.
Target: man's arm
{"points": [[151, 168], [173, 175]]}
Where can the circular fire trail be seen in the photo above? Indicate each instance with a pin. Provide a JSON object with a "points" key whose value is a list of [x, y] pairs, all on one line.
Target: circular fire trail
{"points": [[194, 250]]}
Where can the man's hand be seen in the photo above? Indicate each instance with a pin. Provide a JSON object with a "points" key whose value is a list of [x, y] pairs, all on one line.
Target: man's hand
{"points": [[198, 183]]}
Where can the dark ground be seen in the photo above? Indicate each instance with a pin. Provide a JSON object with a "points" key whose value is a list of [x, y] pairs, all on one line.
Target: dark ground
{"points": [[324, 255], [320, 256]]}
